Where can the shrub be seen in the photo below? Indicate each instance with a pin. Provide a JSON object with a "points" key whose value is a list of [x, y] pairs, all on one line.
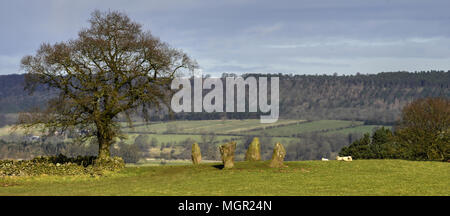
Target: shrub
{"points": [[378, 146], [143, 142]]}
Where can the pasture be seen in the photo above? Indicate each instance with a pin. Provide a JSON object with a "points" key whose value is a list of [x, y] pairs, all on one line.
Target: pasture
{"points": [[175, 132], [308, 127], [333, 178], [206, 126], [362, 129]]}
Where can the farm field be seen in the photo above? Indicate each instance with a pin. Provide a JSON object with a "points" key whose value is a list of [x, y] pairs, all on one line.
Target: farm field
{"points": [[282, 128], [175, 138], [315, 126], [358, 129], [334, 178], [206, 126], [175, 132]]}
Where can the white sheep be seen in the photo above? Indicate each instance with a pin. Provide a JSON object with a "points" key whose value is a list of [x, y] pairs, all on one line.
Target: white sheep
{"points": [[346, 158]]}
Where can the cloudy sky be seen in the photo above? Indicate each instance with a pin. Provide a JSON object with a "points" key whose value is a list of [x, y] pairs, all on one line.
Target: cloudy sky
{"points": [[255, 36]]}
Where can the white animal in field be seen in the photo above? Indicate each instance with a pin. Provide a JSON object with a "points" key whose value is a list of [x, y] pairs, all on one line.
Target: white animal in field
{"points": [[346, 158], [324, 159]]}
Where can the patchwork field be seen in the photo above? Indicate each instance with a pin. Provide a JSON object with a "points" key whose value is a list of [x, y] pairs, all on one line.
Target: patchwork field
{"points": [[358, 129], [360, 177], [315, 126], [175, 138], [283, 131], [207, 126]]}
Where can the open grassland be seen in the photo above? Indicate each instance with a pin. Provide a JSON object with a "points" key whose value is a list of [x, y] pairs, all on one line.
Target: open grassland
{"points": [[360, 177], [179, 138], [176, 132], [315, 126], [159, 162], [176, 138], [227, 128], [206, 126], [358, 129]]}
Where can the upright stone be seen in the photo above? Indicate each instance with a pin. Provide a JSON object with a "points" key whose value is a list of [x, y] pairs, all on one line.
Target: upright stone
{"points": [[196, 154], [227, 152], [278, 156], [253, 151]]}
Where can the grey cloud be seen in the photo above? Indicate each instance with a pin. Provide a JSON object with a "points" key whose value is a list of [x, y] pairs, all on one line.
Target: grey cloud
{"points": [[289, 36]]}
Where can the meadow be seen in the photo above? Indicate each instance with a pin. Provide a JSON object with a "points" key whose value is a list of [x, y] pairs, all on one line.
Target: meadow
{"points": [[308, 127], [282, 131], [362, 129], [175, 132], [205, 126], [172, 139], [334, 178]]}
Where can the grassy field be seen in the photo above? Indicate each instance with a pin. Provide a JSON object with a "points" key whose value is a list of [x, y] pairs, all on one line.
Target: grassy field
{"points": [[178, 138], [228, 129], [314, 126], [166, 138], [280, 131], [358, 129], [157, 162], [360, 177], [240, 127], [206, 126]]}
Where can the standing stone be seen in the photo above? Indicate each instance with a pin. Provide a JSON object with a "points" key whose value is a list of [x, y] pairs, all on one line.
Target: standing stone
{"points": [[278, 156], [253, 151], [196, 154], [227, 152]]}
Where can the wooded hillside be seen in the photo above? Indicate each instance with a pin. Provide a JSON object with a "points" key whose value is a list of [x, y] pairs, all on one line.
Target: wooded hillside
{"points": [[376, 98]]}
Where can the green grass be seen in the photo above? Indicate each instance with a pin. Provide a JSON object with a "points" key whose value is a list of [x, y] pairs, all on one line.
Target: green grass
{"points": [[358, 129], [206, 126], [166, 138], [157, 162], [307, 127], [236, 128], [360, 177]]}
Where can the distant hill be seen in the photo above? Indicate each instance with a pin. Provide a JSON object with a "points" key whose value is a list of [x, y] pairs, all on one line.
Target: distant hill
{"points": [[376, 98], [14, 99]]}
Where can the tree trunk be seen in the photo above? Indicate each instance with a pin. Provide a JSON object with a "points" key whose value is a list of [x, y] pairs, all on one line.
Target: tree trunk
{"points": [[103, 148], [104, 137]]}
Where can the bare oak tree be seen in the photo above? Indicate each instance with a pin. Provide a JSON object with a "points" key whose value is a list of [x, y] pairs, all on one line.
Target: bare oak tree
{"points": [[112, 68]]}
